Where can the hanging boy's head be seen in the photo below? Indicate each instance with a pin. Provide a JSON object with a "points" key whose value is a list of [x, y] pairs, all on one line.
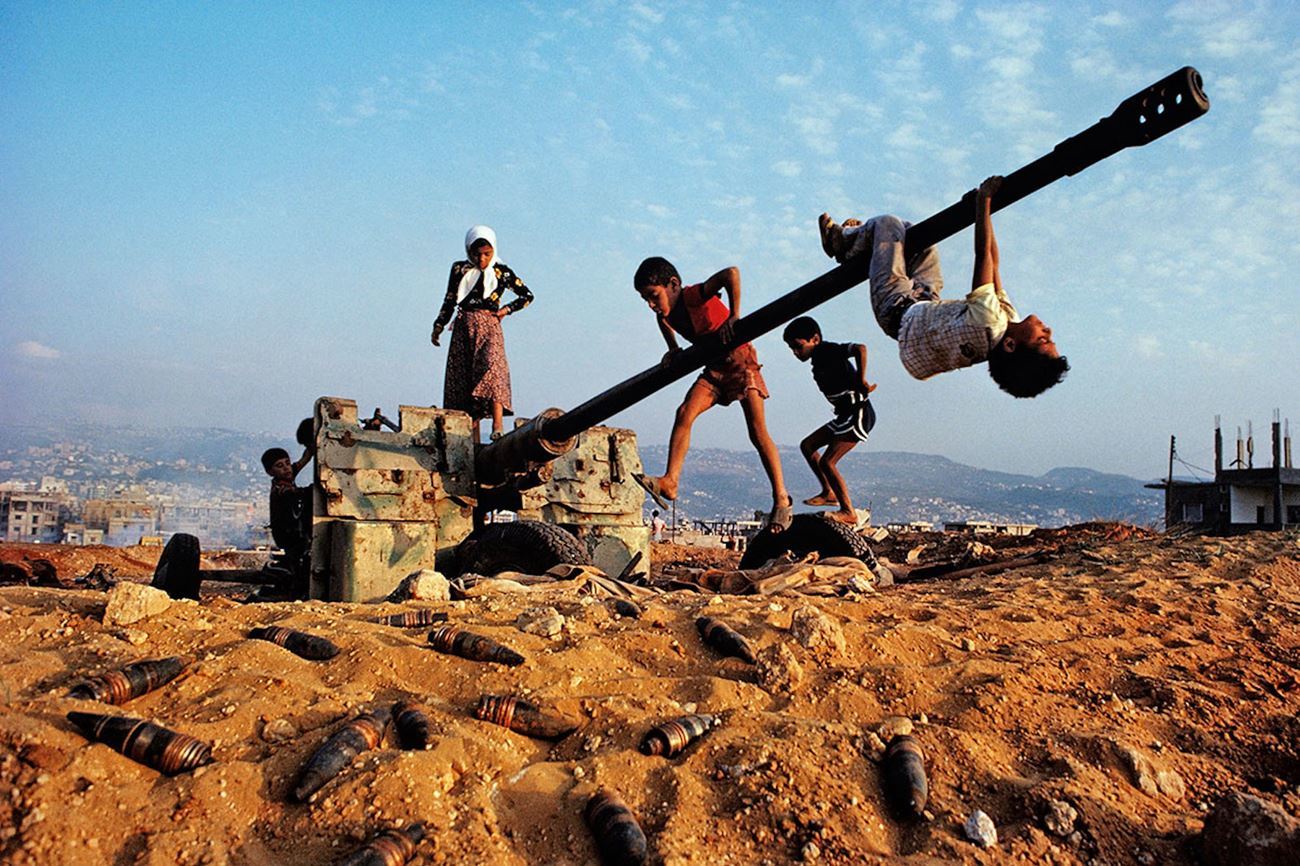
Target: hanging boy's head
{"points": [[802, 336], [658, 284], [1026, 362], [277, 464]]}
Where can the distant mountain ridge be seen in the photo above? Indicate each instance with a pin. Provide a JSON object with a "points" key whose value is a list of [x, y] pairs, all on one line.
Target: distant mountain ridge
{"points": [[902, 486]]}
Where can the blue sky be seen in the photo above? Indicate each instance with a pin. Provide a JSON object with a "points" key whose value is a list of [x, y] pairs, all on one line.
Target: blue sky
{"points": [[214, 213]]}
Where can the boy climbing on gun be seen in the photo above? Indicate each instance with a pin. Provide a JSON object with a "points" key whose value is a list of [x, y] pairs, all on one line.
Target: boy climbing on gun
{"points": [[696, 311], [935, 336]]}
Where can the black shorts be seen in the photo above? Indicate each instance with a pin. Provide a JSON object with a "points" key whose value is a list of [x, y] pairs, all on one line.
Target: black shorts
{"points": [[854, 417]]}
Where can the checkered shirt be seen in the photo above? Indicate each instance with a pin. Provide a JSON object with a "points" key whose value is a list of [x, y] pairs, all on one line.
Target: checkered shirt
{"points": [[938, 336]]}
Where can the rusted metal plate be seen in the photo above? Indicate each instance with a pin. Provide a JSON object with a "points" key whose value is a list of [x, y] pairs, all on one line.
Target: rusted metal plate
{"points": [[369, 559], [595, 477]]}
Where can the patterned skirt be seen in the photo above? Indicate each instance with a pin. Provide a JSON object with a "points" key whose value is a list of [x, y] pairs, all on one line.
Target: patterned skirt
{"points": [[477, 372]]}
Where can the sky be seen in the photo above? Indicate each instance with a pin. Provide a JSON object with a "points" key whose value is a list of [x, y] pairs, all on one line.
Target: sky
{"points": [[214, 213]]}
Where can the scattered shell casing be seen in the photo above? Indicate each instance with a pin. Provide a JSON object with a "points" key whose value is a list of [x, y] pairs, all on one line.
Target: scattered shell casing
{"points": [[414, 729], [414, 618], [522, 717], [467, 645], [623, 607], [904, 770], [671, 738], [393, 848], [153, 745], [359, 735], [724, 639], [308, 646], [618, 836], [132, 681]]}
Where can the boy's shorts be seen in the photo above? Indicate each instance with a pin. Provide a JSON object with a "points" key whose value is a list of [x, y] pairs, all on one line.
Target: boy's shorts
{"points": [[854, 417], [730, 378]]}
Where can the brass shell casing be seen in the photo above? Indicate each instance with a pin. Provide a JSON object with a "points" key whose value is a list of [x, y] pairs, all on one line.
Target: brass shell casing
{"points": [[672, 737], [393, 848], [300, 643], [619, 838], [458, 642], [132, 681], [144, 742], [359, 735], [904, 770], [414, 618], [414, 728], [724, 639], [523, 717]]}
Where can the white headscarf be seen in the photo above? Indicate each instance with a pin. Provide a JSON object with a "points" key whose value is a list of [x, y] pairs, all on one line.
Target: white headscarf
{"points": [[470, 279]]}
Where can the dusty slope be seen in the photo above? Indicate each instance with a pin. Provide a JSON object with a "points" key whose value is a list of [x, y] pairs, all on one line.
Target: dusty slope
{"points": [[1030, 682]]}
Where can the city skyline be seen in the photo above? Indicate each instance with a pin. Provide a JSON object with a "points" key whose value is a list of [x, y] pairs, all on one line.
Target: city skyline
{"points": [[217, 214]]}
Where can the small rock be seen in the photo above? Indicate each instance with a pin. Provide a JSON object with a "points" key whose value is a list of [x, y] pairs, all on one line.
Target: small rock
{"points": [[779, 672], [279, 731], [1059, 817], [131, 602], [1242, 830], [872, 745], [980, 830], [134, 636], [894, 726], [1149, 777], [810, 852], [966, 644], [544, 621], [423, 585], [813, 629]]}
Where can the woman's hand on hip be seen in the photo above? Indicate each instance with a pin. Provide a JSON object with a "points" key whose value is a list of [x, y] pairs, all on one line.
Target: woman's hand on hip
{"points": [[502, 313]]}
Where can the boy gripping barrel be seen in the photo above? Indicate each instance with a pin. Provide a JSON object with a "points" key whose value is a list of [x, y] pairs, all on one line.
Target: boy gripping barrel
{"points": [[840, 371], [695, 312], [933, 335]]}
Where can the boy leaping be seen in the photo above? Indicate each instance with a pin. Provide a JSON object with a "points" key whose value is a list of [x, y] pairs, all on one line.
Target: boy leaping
{"points": [[840, 371], [694, 312], [935, 336]]}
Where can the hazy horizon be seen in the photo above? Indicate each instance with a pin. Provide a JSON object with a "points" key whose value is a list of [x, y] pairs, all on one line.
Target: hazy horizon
{"points": [[216, 214]]}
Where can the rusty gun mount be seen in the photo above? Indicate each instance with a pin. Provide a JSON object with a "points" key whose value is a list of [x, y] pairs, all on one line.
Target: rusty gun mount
{"points": [[1150, 113]]}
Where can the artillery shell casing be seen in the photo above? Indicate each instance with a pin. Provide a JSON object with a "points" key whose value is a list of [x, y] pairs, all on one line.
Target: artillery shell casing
{"points": [[414, 618], [724, 639], [308, 646], [132, 681], [671, 738], [467, 645], [904, 769], [393, 848], [618, 836], [522, 717], [623, 607], [359, 735], [414, 729], [153, 745]]}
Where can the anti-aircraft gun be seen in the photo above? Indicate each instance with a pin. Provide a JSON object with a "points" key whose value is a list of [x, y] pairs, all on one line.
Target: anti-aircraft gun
{"points": [[389, 503]]}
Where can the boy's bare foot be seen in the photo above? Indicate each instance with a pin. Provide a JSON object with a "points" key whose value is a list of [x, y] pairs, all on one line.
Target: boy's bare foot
{"points": [[821, 499], [655, 489], [831, 235], [848, 518]]}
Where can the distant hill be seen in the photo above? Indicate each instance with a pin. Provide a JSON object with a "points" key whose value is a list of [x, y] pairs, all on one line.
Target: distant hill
{"points": [[901, 486]]}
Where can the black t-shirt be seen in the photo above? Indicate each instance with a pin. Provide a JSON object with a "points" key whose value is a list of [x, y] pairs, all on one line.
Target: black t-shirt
{"points": [[832, 369]]}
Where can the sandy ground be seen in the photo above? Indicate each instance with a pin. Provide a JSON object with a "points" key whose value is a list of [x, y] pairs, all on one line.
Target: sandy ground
{"points": [[1024, 687]]}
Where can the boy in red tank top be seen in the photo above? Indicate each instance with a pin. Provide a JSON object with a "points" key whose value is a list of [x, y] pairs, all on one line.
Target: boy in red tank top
{"points": [[695, 311]]}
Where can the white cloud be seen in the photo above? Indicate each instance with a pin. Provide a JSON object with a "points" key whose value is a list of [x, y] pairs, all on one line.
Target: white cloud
{"points": [[1279, 115], [33, 349], [787, 168], [1113, 18], [639, 50], [658, 210], [1148, 346], [787, 79], [941, 11], [645, 13], [1224, 28]]}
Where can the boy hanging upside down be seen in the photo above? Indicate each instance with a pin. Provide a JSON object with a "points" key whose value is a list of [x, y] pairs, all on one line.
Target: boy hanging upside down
{"points": [[696, 311], [934, 335]]}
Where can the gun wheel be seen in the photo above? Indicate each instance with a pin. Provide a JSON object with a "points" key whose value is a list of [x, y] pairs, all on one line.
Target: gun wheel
{"points": [[808, 533], [177, 572], [528, 546]]}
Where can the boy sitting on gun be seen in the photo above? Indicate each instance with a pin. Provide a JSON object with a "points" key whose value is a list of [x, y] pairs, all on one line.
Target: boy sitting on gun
{"points": [[935, 336], [695, 312], [840, 371]]}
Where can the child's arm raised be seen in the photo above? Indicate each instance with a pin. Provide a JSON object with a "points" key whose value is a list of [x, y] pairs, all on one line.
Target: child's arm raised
{"points": [[728, 280], [986, 244], [859, 352]]}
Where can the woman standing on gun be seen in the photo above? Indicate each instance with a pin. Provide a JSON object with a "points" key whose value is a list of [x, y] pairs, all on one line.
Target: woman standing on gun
{"points": [[478, 376]]}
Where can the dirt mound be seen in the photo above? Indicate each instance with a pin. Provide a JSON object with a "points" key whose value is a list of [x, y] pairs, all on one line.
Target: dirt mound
{"points": [[1094, 707]]}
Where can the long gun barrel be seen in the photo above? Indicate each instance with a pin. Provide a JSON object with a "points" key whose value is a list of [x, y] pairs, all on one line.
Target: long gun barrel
{"points": [[1145, 116]]}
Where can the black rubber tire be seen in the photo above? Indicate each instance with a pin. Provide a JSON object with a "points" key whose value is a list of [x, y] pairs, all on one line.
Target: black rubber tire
{"points": [[807, 533], [177, 573], [529, 546]]}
